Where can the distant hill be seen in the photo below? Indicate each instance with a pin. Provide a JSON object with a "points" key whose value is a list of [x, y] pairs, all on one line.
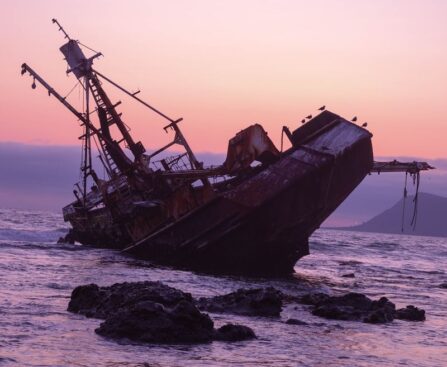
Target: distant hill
{"points": [[431, 217]]}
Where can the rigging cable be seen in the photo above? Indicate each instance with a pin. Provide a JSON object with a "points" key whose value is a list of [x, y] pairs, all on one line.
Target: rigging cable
{"points": [[71, 90], [404, 200], [84, 131], [89, 48], [417, 178]]}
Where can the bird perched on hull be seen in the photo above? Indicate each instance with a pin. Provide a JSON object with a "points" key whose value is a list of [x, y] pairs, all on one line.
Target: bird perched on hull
{"points": [[365, 124], [354, 119], [322, 108]]}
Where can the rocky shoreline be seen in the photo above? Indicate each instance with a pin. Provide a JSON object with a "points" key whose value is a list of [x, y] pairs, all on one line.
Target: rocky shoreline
{"points": [[358, 307], [152, 312]]}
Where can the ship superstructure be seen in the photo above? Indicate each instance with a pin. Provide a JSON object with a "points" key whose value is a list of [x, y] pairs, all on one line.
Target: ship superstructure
{"points": [[253, 213]]}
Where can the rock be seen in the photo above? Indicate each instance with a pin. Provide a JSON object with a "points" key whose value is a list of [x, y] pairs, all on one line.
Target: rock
{"points": [[358, 307], [67, 239], [148, 321], [381, 311], [151, 312], [355, 307], [85, 300], [443, 285], [314, 298], [100, 302], [410, 313], [296, 322], [234, 332], [248, 302], [349, 275]]}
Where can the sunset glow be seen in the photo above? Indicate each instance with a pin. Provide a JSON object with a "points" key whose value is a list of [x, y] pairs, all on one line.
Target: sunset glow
{"points": [[214, 183], [224, 65]]}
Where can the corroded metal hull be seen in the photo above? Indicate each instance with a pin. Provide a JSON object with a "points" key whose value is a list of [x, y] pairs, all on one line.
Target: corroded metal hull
{"points": [[254, 213], [262, 226]]}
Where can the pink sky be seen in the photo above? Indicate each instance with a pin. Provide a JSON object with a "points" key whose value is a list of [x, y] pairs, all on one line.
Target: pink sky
{"points": [[222, 65]]}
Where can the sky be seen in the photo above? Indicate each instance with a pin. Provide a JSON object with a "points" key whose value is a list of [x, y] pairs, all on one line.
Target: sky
{"points": [[223, 65]]}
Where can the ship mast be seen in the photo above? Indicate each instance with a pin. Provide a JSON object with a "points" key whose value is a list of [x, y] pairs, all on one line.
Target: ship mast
{"points": [[86, 168], [85, 121], [86, 165], [114, 158], [111, 154]]}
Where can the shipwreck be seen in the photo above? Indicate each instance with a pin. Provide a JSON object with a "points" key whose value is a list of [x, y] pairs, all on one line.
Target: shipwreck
{"points": [[252, 214]]}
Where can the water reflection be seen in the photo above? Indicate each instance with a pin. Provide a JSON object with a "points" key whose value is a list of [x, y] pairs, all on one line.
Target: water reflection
{"points": [[37, 277]]}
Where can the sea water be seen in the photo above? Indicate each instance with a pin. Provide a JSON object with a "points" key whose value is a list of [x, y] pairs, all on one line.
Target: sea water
{"points": [[37, 277]]}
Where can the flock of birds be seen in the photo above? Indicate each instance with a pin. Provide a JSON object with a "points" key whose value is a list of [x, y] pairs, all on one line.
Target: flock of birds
{"points": [[322, 108]]}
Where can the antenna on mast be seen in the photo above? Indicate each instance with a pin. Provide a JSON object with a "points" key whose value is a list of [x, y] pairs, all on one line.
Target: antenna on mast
{"points": [[54, 20]]}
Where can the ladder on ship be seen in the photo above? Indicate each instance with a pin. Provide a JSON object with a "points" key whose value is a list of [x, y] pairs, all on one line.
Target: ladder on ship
{"points": [[112, 116]]}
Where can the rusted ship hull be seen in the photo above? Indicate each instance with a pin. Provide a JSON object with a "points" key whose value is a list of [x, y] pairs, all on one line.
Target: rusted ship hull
{"points": [[254, 213], [262, 226]]}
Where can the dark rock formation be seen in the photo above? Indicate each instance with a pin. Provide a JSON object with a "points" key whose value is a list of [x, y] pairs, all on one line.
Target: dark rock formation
{"points": [[296, 322], [410, 313], [443, 285], [150, 312], [349, 275], [100, 302], [67, 239], [358, 307], [151, 322], [353, 306], [314, 298], [249, 302], [85, 300], [232, 333]]}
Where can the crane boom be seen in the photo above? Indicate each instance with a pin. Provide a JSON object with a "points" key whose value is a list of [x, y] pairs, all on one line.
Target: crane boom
{"points": [[396, 166], [51, 91]]}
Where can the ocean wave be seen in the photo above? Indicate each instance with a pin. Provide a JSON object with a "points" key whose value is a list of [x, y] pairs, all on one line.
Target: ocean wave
{"points": [[7, 234]]}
